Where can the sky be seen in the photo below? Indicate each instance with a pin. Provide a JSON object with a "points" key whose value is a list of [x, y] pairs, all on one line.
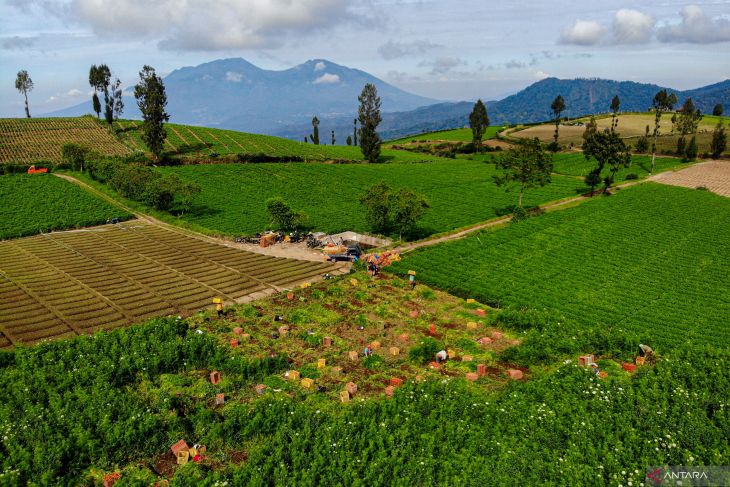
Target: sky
{"points": [[445, 49]]}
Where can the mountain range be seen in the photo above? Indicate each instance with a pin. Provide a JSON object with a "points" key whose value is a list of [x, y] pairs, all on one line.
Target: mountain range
{"points": [[235, 94]]}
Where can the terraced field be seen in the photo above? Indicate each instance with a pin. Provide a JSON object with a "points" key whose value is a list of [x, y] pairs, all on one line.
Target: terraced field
{"points": [[62, 284], [207, 142], [651, 259], [32, 140]]}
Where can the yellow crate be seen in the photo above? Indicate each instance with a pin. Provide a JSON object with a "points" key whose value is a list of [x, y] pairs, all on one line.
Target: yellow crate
{"points": [[471, 325], [183, 457], [345, 396], [394, 351], [293, 375], [321, 363], [307, 383], [471, 301]]}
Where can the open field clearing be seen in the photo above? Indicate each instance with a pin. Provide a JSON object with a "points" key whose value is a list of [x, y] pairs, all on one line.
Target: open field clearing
{"points": [[206, 142], [651, 259], [575, 164], [34, 140], [713, 175], [31, 204], [78, 282], [631, 126], [460, 192], [456, 135]]}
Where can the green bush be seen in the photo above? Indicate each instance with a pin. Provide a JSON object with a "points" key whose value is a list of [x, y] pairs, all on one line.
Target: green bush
{"points": [[425, 351], [373, 362]]}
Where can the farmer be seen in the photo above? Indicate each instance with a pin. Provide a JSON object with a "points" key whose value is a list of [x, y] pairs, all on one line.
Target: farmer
{"points": [[442, 356], [645, 350], [219, 308], [595, 368], [412, 281], [368, 351]]}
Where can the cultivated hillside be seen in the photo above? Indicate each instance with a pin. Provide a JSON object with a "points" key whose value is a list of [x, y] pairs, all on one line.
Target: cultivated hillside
{"points": [[30, 141]]}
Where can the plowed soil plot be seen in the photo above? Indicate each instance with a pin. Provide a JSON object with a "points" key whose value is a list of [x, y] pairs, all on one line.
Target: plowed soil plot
{"points": [[713, 175], [67, 283]]}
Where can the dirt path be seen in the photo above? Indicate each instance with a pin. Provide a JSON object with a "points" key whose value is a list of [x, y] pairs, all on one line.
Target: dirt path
{"points": [[556, 205]]}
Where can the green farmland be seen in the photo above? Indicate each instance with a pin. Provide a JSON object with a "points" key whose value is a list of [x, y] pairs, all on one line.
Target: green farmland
{"points": [[461, 193], [189, 140], [651, 260], [42, 203]]}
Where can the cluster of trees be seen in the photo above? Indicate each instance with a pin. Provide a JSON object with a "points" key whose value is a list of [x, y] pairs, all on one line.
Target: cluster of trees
{"points": [[144, 184], [100, 79], [388, 209]]}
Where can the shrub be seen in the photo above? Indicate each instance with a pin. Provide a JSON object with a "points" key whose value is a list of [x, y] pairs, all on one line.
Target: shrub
{"points": [[630, 176], [283, 216], [642, 145], [426, 351], [144, 184], [373, 362], [519, 214]]}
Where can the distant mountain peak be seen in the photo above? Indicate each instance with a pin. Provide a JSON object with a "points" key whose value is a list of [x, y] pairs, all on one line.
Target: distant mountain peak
{"points": [[234, 93]]}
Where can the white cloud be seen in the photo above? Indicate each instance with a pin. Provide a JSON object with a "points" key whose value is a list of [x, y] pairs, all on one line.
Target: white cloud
{"points": [[696, 28], [234, 77], [442, 65], [632, 27], [75, 92], [327, 78], [541, 74], [203, 25], [320, 66], [583, 33], [394, 50]]}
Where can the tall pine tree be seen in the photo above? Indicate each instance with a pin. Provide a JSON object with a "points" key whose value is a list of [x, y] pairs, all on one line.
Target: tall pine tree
{"points": [[152, 100], [369, 117]]}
